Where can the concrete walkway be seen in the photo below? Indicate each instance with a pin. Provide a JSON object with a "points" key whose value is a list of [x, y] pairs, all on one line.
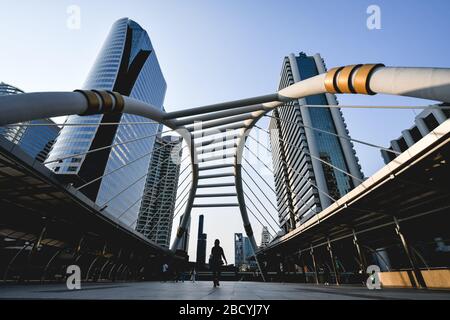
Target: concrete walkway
{"points": [[204, 291]]}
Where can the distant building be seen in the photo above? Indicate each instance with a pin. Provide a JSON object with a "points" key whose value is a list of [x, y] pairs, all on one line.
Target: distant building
{"points": [[34, 137], [424, 123], [11, 133], [265, 237], [248, 250], [201, 243], [184, 243], [38, 140], [296, 146], [238, 250], [160, 192], [243, 252]]}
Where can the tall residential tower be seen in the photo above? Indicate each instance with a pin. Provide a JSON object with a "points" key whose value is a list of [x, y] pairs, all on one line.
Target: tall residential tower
{"points": [[304, 184], [160, 192]]}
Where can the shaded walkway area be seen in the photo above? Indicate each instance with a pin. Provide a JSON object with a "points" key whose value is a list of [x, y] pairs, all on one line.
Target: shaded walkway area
{"points": [[203, 290]]}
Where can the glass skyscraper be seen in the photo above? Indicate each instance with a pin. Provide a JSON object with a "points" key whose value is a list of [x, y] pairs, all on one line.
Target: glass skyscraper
{"points": [[11, 133], [127, 64], [304, 184], [157, 207], [35, 139]]}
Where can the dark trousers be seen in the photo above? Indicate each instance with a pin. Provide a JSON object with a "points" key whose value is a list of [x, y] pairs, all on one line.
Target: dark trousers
{"points": [[216, 269]]}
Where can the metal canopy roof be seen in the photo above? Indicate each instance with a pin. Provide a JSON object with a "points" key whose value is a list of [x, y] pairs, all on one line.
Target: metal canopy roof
{"points": [[30, 195]]}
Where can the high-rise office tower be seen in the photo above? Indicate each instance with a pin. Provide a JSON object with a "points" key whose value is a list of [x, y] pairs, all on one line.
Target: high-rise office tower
{"points": [[160, 192], [184, 243], [424, 123], [11, 133], [265, 237], [248, 250], [34, 137], [239, 257], [303, 183], [201, 242], [127, 64], [243, 250]]}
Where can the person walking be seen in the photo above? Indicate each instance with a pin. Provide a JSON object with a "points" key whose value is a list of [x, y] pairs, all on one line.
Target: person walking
{"points": [[194, 275], [165, 271], [217, 262]]}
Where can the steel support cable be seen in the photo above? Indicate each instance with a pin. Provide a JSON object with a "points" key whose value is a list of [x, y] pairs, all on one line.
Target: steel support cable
{"points": [[267, 149], [79, 124], [331, 133], [260, 187], [324, 162], [319, 159], [159, 218], [182, 198], [188, 165], [307, 180], [267, 184], [257, 219], [179, 210], [303, 201], [159, 210], [135, 221], [311, 183], [262, 204], [145, 175], [121, 167], [107, 147], [184, 189], [442, 107], [142, 177], [251, 201], [147, 234], [184, 180], [254, 154], [143, 196], [181, 173], [326, 194], [256, 207]]}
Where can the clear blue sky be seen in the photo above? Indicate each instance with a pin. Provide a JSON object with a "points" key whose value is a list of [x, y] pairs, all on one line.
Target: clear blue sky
{"points": [[212, 51]]}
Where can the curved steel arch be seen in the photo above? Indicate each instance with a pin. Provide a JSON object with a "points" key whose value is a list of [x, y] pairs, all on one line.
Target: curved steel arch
{"points": [[369, 79]]}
